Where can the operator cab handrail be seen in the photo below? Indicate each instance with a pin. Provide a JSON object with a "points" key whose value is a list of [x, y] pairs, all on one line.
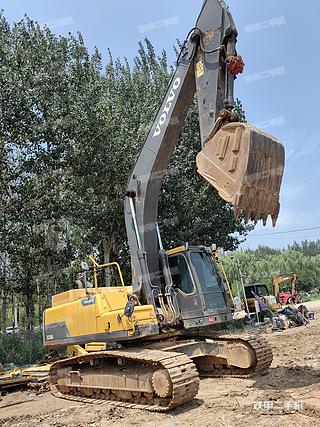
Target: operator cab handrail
{"points": [[109, 264]]}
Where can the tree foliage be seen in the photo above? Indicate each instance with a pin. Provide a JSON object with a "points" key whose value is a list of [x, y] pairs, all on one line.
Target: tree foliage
{"points": [[308, 248], [263, 264], [21, 349]]}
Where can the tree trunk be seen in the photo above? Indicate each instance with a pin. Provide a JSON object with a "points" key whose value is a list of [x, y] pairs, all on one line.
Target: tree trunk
{"points": [[4, 294], [29, 312], [4, 310], [52, 245], [40, 310], [49, 281], [107, 248], [15, 314], [55, 254]]}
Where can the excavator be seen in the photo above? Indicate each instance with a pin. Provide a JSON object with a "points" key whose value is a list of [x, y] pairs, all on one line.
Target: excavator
{"points": [[147, 344], [287, 295]]}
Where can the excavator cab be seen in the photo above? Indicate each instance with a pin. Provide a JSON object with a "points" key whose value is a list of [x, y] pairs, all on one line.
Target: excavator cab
{"points": [[198, 286]]}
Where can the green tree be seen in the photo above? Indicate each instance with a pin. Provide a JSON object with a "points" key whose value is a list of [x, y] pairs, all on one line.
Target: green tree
{"points": [[263, 264], [40, 87], [308, 248]]}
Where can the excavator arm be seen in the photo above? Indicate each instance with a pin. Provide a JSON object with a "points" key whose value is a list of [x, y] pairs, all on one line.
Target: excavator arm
{"points": [[244, 164], [282, 278]]}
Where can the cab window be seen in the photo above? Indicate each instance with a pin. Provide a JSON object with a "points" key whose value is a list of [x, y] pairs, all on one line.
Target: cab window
{"points": [[248, 291], [262, 291], [180, 274], [205, 271]]}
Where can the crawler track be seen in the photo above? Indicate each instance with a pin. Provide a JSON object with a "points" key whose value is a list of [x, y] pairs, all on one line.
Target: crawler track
{"points": [[181, 372]]}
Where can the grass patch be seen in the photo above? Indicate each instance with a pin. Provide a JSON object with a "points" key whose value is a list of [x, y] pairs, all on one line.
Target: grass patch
{"points": [[306, 298]]}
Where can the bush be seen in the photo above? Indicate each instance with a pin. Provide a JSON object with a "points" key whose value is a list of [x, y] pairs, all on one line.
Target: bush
{"points": [[23, 348]]}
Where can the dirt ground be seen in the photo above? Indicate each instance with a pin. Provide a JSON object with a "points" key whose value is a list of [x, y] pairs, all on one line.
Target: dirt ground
{"points": [[288, 395]]}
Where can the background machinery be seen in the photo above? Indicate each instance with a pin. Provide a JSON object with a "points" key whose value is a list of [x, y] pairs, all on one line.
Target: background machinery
{"points": [[279, 297], [286, 294], [261, 291], [145, 345]]}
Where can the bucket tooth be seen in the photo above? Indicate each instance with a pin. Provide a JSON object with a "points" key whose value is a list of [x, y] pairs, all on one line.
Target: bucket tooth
{"points": [[275, 216], [247, 216], [246, 166], [264, 219], [255, 216]]}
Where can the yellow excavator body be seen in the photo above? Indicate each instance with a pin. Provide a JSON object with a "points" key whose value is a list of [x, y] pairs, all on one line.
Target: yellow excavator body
{"points": [[94, 316], [146, 368], [287, 296], [269, 300]]}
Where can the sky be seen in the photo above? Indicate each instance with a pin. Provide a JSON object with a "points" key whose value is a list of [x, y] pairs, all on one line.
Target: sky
{"points": [[279, 88]]}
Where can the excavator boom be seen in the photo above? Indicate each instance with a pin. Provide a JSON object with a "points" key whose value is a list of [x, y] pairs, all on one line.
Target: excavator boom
{"points": [[243, 163]]}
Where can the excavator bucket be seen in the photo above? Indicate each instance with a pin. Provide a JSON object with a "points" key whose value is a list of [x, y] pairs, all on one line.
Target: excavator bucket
{"points": [[246, 166]]}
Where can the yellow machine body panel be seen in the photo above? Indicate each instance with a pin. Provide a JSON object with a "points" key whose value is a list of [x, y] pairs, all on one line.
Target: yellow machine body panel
{"points": [[270, 301], [177, 250], [76, 294], [77, 317]]}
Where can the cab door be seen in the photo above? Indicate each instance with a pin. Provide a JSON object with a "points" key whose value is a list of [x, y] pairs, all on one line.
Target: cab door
{"points": [[212, 291], [186, 291]]}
